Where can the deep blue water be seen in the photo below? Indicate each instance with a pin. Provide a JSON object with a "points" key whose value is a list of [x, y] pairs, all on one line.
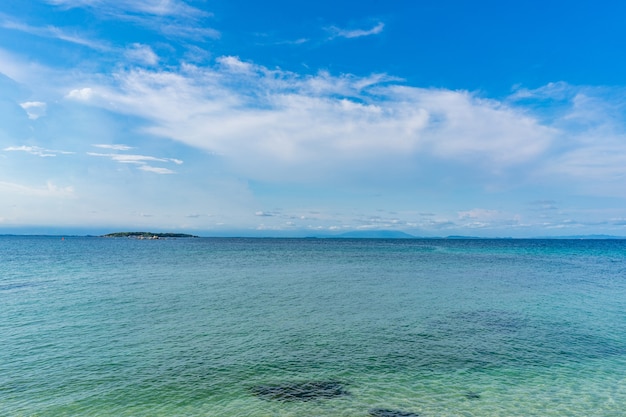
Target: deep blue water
{"points": [[207, 327]]}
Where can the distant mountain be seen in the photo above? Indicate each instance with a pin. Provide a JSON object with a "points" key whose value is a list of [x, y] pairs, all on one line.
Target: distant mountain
{"points": [[147, 235], [599, 237], [375, 234]]}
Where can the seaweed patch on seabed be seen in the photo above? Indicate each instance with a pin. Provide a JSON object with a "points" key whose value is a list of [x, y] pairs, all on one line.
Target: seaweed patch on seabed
{"points": [[383, 412], [471, 395], [301, 391]]}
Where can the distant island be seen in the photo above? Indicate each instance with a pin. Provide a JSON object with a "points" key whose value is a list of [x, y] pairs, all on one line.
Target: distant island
{"points": [[147, 235], [374, 234]]}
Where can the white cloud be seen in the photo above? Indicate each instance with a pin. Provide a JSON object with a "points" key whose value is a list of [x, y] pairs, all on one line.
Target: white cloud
{"points": [[264, 214], [156, 170], [464, 126], [133, 159], [298, 41], [113, 147], [82, 94], [276, 124], [142, 54], [557, 90], [480, 218], [234, 64], [31, 76], [73, 3], [173, 18], [591, 145], [161, 7], [356, 33], [34, 109], [36, 150], [141, 160], [117, 7], [479, 214]]}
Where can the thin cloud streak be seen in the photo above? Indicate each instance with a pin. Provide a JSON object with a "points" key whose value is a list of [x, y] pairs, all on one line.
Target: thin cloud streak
{"points": [[141, 160], [55, 33], [142, 54], [356, 33], [123, 7], [37, 151], [119, 147], [156, 170], [172, 18]]}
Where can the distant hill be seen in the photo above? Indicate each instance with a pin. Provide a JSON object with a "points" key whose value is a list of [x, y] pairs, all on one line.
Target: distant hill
{"points": [[147, 235], [600, 237], [375, 234], [462, 237]]}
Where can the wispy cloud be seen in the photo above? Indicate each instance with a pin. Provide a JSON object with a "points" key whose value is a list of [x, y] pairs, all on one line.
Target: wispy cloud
{"points": [[298, 41], [134, 159], [34, 109], [282, 125], [479, 214], [173, 18], [117, 7], [274, 125], [156, 170], [337, 32], [142, 54], [49, 190], [118, 147], [591, 146], [81, 94], [141, 160], [53, 32], [36, 150], [189, 32]]}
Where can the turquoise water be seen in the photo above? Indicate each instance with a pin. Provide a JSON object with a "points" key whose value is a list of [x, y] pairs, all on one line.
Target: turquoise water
{"points": [[199, 327]]}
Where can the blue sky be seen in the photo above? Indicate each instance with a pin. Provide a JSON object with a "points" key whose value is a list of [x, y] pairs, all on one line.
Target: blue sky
{"points": [[436, 118]]}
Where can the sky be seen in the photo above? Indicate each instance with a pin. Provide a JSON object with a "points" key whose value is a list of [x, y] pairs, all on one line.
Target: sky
{"points": [[284, 118]]}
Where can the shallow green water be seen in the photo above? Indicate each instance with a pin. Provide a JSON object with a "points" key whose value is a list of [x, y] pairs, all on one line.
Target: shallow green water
{"points": [[121, 327]]}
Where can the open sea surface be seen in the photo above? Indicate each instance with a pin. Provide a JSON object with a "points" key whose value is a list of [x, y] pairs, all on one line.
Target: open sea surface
{"points": [[312, 327]]}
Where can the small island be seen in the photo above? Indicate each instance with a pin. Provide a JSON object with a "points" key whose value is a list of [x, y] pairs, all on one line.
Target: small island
{"points": [[147, 235]]}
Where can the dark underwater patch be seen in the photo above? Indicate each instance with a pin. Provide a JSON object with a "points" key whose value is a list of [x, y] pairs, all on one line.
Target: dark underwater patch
{"points": [[301, 391], [472, 395], [383, 412]]}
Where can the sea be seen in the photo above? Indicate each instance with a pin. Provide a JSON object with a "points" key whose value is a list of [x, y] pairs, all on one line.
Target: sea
{"points": [[223, 327]]}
